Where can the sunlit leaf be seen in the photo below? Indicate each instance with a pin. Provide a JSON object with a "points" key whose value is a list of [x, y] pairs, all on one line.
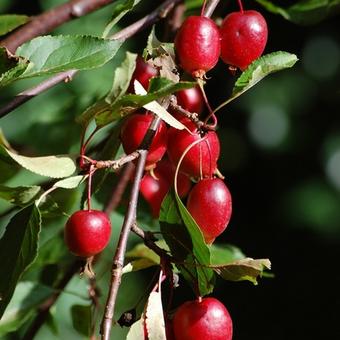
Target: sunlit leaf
{"points": [[50, 166], [154, 317], [53, 54], [70, 183], [136, 331]]}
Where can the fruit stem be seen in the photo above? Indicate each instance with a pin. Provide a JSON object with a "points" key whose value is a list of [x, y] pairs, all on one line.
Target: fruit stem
{"points": [[240, 5], [203, 8], [89, 186], [211, 112]]}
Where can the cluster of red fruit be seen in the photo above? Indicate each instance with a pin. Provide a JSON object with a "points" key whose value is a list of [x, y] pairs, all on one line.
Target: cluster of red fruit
{"points": [[240, 40], [199, 43], [199, 163]]}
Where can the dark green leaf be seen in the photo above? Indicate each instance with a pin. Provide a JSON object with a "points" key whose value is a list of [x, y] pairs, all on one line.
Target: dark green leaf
{"points": [[187, 244], [50, 166], [304, 12], [8, 22], [26, 298], [241, 270], [159, 88], [62, 53], [120, 8], [81, 318], [20, 195], [259, 69], [18, 249], [11, 66]]}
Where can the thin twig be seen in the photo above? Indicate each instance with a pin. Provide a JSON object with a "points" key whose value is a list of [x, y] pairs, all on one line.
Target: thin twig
{"points": [[117, 163], [67, 76], [119, 190], [193, 116], [51, 19], [149, 241], [129, 220]]}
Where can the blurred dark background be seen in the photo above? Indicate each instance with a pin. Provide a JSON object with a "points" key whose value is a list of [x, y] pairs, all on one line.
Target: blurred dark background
{"points": [[281, 160]]}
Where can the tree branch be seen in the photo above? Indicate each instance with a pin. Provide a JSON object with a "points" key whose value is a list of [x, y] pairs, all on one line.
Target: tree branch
{"points": [[129, 220], [159, 13], [51, 19]]}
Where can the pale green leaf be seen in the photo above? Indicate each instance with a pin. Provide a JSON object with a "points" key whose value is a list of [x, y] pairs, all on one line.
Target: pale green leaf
{"points": [[154, 317], [49, 166], [136, 331], [53, 54], [71, 182]]}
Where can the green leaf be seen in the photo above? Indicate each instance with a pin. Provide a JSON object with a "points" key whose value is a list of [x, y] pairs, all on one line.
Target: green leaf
{"points": [[120, 9], [18, 249], [19, 195], [70, 183], [81, 318], [26, 298], [224, 253], [259, 69], [154, 317], [122, 78], [187, 244], [159, 88], [245, 269], [304, 12], [50, 166], [11, 66], [136, 331], [9, 22], [53, 54], [143, 257]]}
